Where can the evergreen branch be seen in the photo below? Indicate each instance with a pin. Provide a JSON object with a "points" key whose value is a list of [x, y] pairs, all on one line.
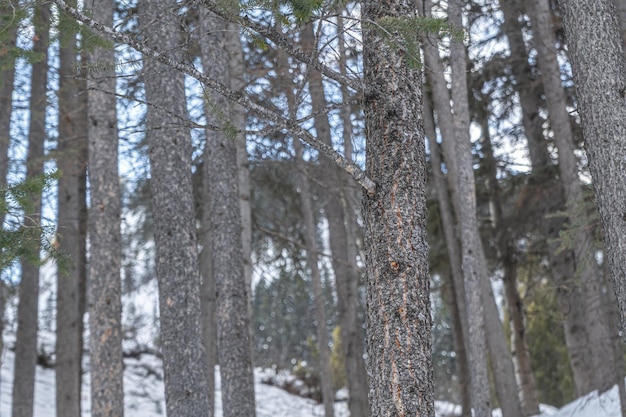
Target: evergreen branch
{"points": [[284, 44], [289, 125]]}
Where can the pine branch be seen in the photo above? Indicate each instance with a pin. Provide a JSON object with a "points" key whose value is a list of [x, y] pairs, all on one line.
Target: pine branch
{"points": [[289, 125]]}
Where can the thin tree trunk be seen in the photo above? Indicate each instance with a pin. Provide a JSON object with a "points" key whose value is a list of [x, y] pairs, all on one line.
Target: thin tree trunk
{"points": [[70, 154], [605, 371], [346, 274], [105, 306], [238, 119], [526, 87], [399, 360], [310, 233], [184, 360], [221, 180], [568, 293], [599, 67], [28, 309], [520, 354], [7, 76], [457, 291]]}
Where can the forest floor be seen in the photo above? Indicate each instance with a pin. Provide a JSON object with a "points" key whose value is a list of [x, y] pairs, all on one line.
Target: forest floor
{"points": [[144, 395]]}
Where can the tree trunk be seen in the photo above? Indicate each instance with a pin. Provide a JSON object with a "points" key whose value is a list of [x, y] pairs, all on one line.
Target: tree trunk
{"points": [[526, 87], [399, 360], [28, 309], [310, 233], [605, 372], [568, 293], [184, 361], [344, 267], [71, 151], [599, 67], [521, 357], [7, 76], [238, 119], [105, 307], [221, 175], [460, 321]]}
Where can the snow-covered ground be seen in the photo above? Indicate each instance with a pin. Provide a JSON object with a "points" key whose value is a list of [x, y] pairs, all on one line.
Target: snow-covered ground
{"points": [[144, 396]]}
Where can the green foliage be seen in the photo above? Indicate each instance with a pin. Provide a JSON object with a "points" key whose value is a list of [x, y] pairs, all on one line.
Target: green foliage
{"points": [[26, 239], [403, 34]]}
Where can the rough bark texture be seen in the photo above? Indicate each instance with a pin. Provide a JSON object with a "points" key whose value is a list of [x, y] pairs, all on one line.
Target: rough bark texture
{"points": [[457, 290], [184, 361], [473, 258], [105, 307], [28, 309], [233, 321], [344, 264], [399, 358], [599, 67], [208, 299], [605, 372], [72, 144]]}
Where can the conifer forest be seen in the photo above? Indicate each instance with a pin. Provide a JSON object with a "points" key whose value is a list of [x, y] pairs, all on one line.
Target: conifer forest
{"points": [[380, 203]]}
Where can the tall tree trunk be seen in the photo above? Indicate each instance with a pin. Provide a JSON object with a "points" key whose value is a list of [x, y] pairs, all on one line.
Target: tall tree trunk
{"points": [[184, 361], [474, 262], [605, 371], [526, 87], [221, 175], [456, 272], [310, 233], [70, 153], [208, 300], [399, 360], [346, 274], [238, 119], [599, 67], [105, 306], [28, 309], [568, 294], [520, 354], [7, 76]]}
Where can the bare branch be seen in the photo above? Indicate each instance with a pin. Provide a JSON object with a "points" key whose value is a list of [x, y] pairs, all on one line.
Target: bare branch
{"points": [[282, 123], [284, 43]]}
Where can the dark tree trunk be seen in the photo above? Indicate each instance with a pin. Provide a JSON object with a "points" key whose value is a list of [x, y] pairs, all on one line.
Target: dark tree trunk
{"points": [[221, 182], [184, 361], [105, 306], [28, 309], [71, 148], [398, 308]]}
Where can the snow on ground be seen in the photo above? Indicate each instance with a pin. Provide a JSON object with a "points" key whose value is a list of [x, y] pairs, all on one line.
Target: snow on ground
{"points": [[144, 396]]}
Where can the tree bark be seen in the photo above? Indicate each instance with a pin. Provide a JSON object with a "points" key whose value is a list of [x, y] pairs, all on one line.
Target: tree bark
{"points": [[399, 360], [605, 372], [344, 267], [599, 67], [28, 308], [456, 271], [72, 144], [221, 175], [184, 360], [105, 306]]}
